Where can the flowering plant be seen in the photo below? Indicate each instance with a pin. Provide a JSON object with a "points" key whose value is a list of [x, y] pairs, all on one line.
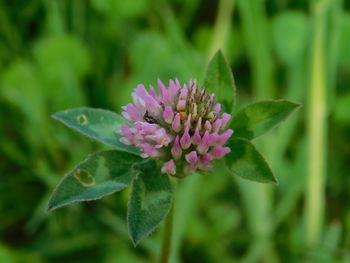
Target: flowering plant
{"points": [[180, 130], [183, 124]]}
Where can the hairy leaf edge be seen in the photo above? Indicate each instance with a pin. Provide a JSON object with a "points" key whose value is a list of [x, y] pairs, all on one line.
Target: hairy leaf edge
{"points": [[276, 182], [219, 52], [56, 117], [136, 242], [51, 208]]}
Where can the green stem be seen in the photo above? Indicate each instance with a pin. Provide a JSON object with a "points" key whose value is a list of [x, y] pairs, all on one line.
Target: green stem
{"points": [[167, 236], [186, 207], [316, 130]]}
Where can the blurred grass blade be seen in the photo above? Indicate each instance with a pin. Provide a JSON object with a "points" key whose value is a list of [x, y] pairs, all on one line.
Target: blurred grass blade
{"points": [[317, 127], [98, 124], [101, 174], [221, 31], [260, 117]]}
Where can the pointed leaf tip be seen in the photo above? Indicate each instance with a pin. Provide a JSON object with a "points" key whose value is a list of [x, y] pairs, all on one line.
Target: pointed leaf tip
{"points": [[149, 203], [219, 80], [246, 161], [258, 118]]}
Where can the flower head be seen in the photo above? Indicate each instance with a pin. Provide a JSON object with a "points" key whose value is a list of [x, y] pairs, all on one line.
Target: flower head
{"points": [[183, 126]]}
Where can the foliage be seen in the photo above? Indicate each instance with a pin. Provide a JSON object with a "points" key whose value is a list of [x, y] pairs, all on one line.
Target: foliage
{"points": [[56, 55], [107, 172]]}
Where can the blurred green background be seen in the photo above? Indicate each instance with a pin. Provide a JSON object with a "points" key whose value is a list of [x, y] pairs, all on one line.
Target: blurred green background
{"points": [[59, 54]]}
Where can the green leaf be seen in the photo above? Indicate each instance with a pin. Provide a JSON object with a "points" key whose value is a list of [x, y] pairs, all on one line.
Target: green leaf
{"points": [[219, 80], [150, 201], [98, 124], [101, 174], [260, 117], [245, 161]]}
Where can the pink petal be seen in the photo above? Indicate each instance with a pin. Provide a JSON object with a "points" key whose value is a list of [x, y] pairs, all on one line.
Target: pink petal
{"points": [[132, 113], [153, 93], [225, 119], [161, 87], [204, 144], [204, 162], [217, 107], [213, 139], [207, 126], [196, 138], [185, 140], [160, 138], [183, 93], [176, 149], [206, 158], [174, 88], [145, 127], [149, 150], [164, 93], [199, 123], [176, 125], [168, 114], [192, 157], [217, 124], [181, 105], [169, 167], [188, 122], [147, 101], [225, 136], [219, 151], [125, 131]]}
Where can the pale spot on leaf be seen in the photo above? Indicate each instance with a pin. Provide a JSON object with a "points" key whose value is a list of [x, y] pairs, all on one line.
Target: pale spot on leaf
{"points": [[82, 119], [84, 177]]}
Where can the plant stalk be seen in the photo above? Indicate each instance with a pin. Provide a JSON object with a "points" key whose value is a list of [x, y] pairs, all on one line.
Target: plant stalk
{"points": [[316, 130], [167, 236]]}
